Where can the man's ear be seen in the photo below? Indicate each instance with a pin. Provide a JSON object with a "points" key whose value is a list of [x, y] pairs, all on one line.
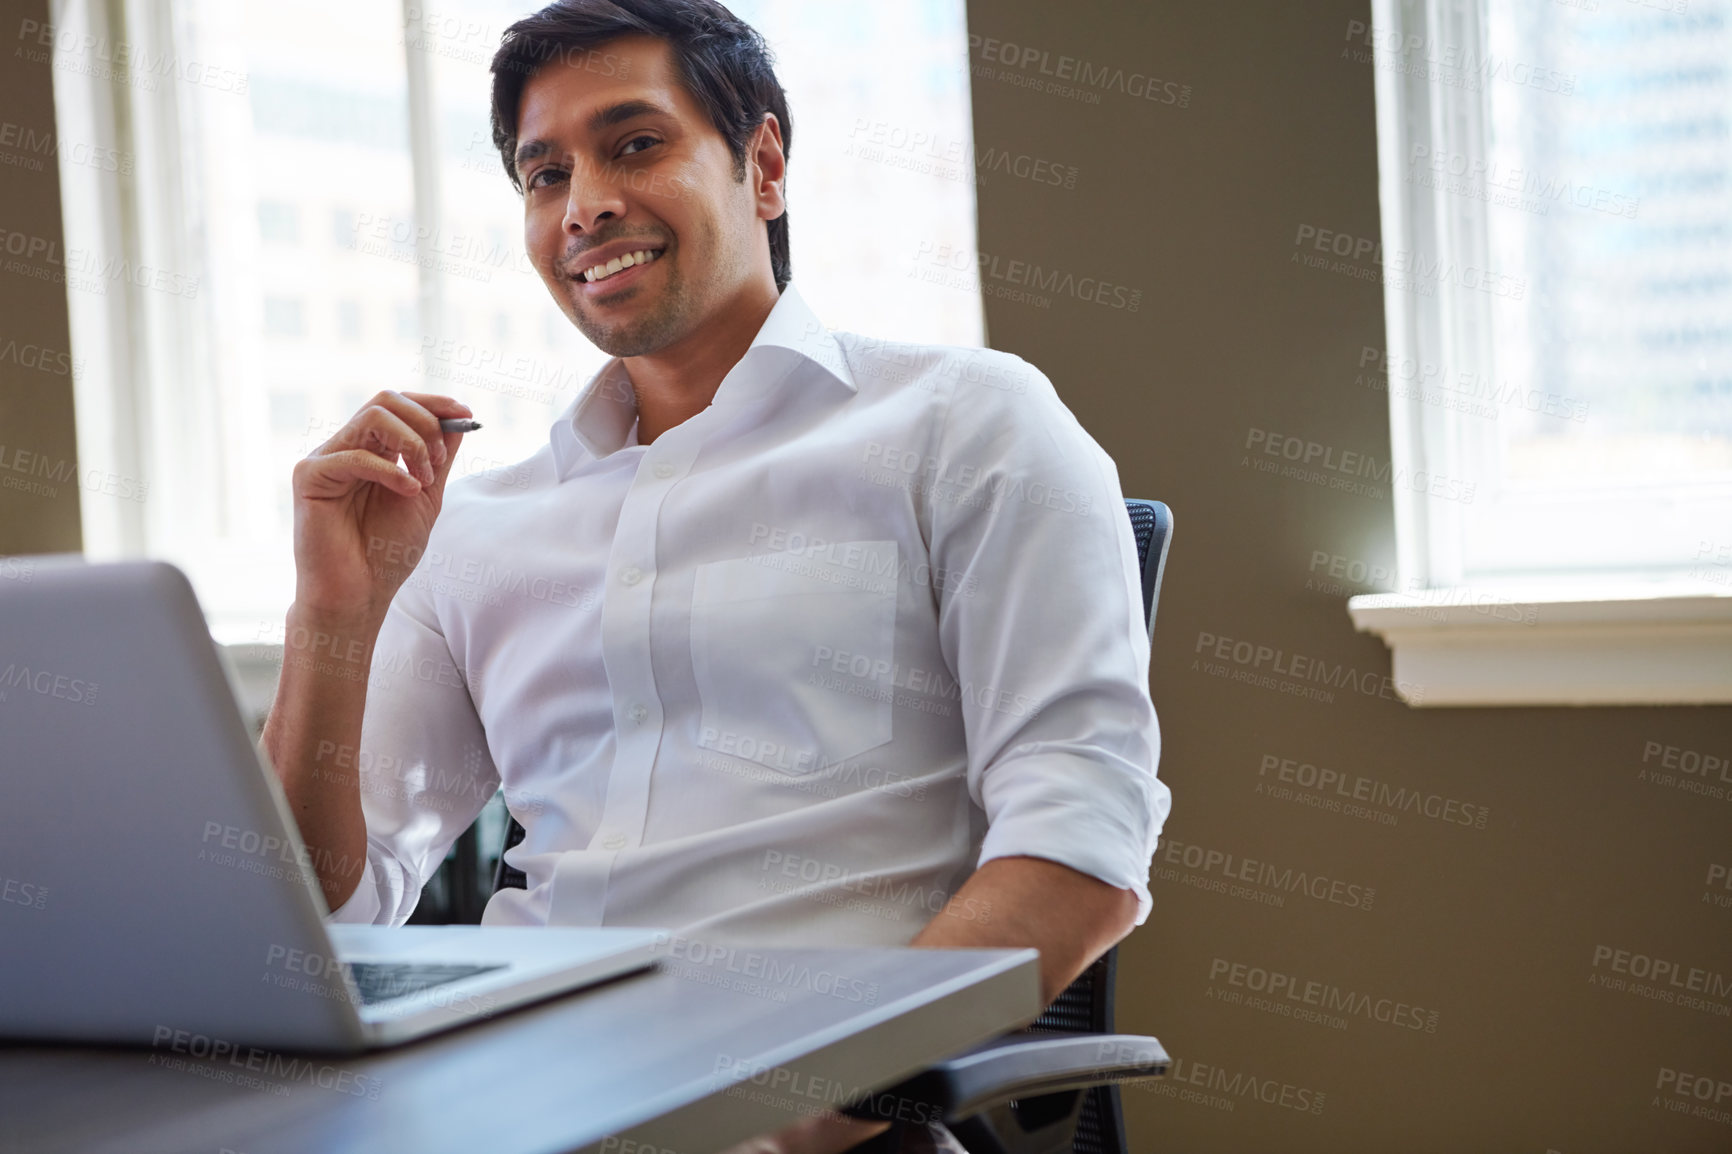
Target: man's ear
{"points": [[768, 168]]}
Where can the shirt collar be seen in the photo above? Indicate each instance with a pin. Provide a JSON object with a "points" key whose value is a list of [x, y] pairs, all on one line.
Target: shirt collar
{"points": [[602, 418]]}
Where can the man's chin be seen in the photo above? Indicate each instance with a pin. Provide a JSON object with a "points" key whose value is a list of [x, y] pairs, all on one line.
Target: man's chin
{"points": [[635, 337]]}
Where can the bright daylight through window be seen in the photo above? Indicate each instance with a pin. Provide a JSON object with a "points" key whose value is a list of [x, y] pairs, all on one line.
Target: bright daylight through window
{"points": [[1556, 188], [338, 219], [1568, 227]]}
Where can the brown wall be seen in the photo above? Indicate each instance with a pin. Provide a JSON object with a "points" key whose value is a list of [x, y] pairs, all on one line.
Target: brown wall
{"points": [[38, 450], [1494, 929]]}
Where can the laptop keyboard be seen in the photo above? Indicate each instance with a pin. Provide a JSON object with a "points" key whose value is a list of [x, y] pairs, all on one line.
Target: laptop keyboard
{"points": [[383, 981]]}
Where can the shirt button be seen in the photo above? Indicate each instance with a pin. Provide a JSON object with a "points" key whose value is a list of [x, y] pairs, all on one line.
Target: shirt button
{"points": [[638, 713], [664, 470], [631, 574], [614, 841]]}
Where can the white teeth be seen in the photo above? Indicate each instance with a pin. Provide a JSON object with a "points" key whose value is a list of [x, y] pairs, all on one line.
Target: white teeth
{"points": [[603, 271]]}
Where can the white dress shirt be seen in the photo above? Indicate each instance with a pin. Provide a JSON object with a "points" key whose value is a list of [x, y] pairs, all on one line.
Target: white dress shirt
{"points": [[789, 673]]}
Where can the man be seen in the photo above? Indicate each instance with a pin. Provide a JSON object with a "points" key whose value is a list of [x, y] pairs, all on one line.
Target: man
{"points": [[791, 638]]}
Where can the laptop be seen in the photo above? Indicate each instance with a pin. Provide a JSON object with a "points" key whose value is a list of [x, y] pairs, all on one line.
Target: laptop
{"points": [[153, 888]]}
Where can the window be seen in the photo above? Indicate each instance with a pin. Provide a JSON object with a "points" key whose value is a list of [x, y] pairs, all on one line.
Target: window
{"points": [[278, 222], [409, 325], [349, 320], [1557, 248], [284, 317], [335, 219], [342, 227]]}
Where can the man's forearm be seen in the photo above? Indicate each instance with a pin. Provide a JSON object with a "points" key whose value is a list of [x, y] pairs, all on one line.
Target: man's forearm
{"points": [[311, 738], [1070, 917]]}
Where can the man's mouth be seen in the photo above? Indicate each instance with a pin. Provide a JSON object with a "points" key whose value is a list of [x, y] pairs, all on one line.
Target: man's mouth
{"points": [[619, 264]]}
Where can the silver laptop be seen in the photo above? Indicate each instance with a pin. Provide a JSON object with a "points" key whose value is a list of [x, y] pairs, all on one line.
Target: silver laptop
{"points": [[153, 888]]}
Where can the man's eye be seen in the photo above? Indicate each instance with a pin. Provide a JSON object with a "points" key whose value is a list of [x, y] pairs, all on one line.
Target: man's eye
{"points": [[646, 140], [552, 174]]}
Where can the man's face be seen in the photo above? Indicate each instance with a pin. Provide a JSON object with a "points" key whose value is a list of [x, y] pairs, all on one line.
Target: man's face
{"points": [[621, 162]]}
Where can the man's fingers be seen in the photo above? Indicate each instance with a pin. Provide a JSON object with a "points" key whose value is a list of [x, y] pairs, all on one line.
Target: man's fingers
{"points": [[423, 421], [335, 474], [451, 442], [383, 432], [437, 406], [440, 405]]}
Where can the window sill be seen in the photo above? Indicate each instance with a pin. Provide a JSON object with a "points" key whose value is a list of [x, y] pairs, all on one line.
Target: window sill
{"points": [[1466, 647]]}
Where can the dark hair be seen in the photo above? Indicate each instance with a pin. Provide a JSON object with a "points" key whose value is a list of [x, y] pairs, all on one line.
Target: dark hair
{"points": [[723, 61]]}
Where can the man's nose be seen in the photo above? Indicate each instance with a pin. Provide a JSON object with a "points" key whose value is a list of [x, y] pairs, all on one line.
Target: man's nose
{"points": [[592, 196]]}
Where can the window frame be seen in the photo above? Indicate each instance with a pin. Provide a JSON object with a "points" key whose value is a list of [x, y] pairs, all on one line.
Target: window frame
{"points": [[148, 390], [1623, 622]]}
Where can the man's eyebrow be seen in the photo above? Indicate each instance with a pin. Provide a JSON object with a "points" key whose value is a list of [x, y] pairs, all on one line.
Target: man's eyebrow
{"points": [[625, 110], [530, 150], [600, 119]]}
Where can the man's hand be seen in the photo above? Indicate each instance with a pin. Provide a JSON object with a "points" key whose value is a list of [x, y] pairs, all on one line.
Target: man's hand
{"points": [[1070, 917], [361, 521]]}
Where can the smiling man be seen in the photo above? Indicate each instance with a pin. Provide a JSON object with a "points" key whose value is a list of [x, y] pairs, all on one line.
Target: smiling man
{"points": [[790, 637]]}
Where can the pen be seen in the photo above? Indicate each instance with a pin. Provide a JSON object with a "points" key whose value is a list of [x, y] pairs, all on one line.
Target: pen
{"points": [[458, 425]]}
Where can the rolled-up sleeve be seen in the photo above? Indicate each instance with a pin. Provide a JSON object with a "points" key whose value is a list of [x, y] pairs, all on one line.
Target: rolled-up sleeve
{"points": [[1042, 622], [425, 768]]}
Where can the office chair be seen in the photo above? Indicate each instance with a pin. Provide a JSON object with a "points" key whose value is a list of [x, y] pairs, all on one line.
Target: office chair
{"points": [[1051, 1088]]}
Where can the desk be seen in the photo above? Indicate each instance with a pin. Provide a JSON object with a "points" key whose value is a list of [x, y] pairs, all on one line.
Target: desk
{"points": [[664, 1059]]}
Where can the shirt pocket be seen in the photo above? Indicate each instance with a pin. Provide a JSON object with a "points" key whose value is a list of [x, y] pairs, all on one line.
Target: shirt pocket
{"points": [[794, 657]]}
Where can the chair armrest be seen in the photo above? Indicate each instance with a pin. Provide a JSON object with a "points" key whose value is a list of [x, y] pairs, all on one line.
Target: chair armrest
{"points": [[1018, 1066]]}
